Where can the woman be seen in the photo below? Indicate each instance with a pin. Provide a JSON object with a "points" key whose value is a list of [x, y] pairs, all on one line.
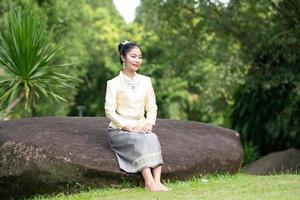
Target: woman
{"points": [[130, 135]]}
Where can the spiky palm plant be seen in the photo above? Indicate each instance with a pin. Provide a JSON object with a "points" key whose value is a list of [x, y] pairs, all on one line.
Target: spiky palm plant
{"points": [[26, 55]]}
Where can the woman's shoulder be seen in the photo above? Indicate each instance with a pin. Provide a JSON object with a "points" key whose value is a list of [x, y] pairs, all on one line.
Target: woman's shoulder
{"points": [[115, 80], [144, 78]]}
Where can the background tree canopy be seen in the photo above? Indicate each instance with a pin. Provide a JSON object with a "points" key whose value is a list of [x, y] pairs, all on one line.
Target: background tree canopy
{"points": [[235, 65]]}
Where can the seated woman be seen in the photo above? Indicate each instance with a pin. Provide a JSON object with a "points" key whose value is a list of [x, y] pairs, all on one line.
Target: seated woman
{"points": [[130, 134]]}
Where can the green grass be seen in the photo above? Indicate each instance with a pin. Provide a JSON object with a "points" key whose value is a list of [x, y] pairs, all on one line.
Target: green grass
{"points": [[217, 187]]}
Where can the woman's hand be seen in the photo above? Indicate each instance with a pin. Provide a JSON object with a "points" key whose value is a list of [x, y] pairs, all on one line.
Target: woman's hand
{"points": [[147, 128]]}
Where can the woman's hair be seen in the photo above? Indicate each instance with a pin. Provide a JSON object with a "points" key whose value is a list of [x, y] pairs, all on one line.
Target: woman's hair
{"points": [[124, 47]]}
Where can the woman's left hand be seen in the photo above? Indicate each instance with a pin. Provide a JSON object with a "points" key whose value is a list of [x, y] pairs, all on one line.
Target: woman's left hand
{"points": [[147, 128]]}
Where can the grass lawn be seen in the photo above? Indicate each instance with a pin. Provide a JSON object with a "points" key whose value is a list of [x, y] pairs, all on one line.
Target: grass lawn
{"points": [[217, 187]]}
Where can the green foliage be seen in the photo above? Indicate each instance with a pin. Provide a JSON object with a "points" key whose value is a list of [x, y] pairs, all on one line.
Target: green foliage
{"points": [[267, 106], [87, 32], [251, 153], [103, 32], [187, 48], [26, 55]]}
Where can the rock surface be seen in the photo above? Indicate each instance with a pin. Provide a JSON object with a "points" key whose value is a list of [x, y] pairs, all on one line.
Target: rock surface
{"points": [[51, 154], [287, 161]]}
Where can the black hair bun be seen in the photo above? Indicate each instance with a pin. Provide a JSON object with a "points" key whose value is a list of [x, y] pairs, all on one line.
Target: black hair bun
{"points": [[122, 44]]}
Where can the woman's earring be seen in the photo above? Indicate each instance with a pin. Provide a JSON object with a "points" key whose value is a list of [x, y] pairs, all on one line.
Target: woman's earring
{"points": [[123, 65]]}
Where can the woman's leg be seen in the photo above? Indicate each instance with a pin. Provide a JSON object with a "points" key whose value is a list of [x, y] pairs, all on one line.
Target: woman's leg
{"points": [[150, 183], [157, 175]]}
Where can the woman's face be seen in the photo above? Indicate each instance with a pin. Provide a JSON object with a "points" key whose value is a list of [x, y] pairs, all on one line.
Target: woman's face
{"points": [[133, 59]]}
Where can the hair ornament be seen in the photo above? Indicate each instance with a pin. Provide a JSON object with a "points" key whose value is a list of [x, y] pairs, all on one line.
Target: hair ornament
{"points": [[125, 42]]}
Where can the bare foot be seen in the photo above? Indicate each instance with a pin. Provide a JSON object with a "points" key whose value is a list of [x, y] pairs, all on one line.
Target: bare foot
{"points": [[163, 187], [153, 187]]}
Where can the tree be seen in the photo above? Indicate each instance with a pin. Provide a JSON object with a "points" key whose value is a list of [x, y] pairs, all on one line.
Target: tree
{"points": [[266, 109], [87, 32], [197, 66], [104, 30], [25, 55]]}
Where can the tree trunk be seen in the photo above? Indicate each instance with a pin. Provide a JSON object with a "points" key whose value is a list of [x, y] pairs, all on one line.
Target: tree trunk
{"points": [[32, 109], [14, 103]]}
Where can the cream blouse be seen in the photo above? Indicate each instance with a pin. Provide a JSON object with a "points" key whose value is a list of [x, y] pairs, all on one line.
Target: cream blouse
{"points": [[127, 100]]}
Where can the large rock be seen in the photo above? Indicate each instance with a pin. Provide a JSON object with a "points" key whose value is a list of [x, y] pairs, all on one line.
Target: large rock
{"points": [[287, 161], [40, 155]]}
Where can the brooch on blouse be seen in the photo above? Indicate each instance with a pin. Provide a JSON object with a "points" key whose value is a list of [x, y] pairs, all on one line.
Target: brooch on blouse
{"points": [[132, 85]]}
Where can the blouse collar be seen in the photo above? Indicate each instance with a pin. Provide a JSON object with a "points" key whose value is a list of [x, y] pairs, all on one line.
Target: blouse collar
{"points": [[128, 79]]}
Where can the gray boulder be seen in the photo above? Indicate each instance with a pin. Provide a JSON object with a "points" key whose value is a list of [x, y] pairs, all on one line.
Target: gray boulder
{"points": [[287, 161], [54, 154]]}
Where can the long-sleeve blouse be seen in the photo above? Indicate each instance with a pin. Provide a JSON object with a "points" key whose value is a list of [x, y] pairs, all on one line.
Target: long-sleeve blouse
{"points": [[127, 100]]}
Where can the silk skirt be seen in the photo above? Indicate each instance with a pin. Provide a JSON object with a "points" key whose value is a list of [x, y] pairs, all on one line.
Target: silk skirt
{"points": [[135, 151]]}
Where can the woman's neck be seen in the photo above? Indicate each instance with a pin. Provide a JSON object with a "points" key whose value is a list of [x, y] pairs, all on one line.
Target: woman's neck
{"points": [[128, 73]]}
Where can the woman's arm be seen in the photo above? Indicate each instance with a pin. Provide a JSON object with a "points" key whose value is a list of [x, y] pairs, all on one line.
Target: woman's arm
{"points": [[150, 105], [151, 109], [111, 106]]}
